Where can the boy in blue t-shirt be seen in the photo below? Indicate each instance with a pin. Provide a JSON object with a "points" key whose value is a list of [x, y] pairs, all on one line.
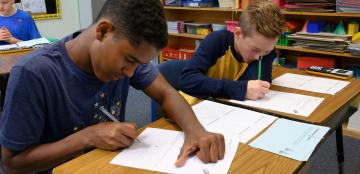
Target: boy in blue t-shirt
{"points": [[57, 96], [15, 25]]}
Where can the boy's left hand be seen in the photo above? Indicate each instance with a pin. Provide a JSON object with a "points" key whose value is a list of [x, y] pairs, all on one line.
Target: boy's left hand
{"points": [[208, 147]]}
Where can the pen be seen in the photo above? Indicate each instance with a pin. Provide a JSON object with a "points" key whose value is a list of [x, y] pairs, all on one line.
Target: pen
{"points": [[109, 115], [259, 68]]}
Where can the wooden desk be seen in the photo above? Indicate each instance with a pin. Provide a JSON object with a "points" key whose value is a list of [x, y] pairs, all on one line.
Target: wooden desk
{"points": [[246, 160], [332, 112], [8, 59], [323, 114]]}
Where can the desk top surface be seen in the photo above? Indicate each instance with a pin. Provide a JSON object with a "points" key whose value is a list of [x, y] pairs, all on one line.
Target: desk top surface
{"points": [[246, 160], [331, 103], [325, 111], [9, 58]]}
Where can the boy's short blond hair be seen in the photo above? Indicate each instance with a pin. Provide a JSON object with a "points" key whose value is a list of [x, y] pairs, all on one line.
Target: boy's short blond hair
{"points": [[262, 16]]}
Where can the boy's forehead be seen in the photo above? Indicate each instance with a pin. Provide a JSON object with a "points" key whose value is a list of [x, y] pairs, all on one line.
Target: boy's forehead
{"points": [[260, 42]]}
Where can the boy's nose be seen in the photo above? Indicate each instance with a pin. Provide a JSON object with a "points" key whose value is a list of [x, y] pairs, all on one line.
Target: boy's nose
{"points": [[130, 70]]}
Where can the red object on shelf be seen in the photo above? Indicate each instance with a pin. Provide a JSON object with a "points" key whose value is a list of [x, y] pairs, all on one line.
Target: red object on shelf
{"points": [[171, 53], [230, 25], [304, 62]]}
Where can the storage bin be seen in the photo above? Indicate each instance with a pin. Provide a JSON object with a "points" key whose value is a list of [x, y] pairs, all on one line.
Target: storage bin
{"points": [[217, 27], [230, 25], [354, 49], [197, 28], [304, 62], [176, 3], [200, 3], [178, 54], [315, 26]]}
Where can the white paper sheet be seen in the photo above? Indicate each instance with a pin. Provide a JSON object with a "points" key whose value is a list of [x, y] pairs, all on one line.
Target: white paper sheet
{"points": [[31, 43], [158, 149], [310, 83], [296, 104], [8, 47], [231, 121]]}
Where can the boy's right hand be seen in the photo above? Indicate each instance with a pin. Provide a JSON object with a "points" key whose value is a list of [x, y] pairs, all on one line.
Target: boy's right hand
{"points": [[110, 135], [4, 34], [257, 89]]}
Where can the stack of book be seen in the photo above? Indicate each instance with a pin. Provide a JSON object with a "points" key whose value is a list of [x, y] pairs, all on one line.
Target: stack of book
{"points": [[172, 27], [321, 41], [311, 5], [348, 6]]}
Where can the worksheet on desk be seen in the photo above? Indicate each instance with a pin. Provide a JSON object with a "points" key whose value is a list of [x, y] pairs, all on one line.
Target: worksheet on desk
{"points": [[310, 83], [8, 47], [242, 124], [292, 139], [296, 104], [31, 43], [158, 149]]}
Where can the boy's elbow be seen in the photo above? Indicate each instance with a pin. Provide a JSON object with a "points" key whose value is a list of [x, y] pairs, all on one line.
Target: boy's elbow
{"points": [[8, 167], [8, 163]]}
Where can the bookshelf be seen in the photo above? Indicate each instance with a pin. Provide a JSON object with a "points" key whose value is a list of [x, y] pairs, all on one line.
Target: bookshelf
{"points": [[219, 15]]}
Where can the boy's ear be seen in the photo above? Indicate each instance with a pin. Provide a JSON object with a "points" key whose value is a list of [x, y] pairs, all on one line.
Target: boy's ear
{"points": [[103, 29], [237, 32]]}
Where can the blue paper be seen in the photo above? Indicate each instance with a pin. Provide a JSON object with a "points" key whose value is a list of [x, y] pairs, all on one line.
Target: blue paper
{"points": [[291, 139]]}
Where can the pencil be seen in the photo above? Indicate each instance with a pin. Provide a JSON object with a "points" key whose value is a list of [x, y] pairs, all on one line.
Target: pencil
{"points": [[259, 68], [107, 113]]}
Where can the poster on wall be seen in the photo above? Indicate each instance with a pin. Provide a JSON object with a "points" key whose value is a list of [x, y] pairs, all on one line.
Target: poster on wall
{"points": [[40, 9], [34, 6]]}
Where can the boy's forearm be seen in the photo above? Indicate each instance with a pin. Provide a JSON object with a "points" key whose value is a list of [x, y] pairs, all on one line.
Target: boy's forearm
{"points": [[45, 156], [178, 109]]}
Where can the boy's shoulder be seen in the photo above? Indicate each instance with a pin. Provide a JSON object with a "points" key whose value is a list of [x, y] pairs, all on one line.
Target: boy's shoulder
{"points": [[42, 59], [22, 14], [220, 36]]}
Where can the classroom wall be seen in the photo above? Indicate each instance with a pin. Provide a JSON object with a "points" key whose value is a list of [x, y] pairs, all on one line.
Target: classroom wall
{"points": [[58, 28]]}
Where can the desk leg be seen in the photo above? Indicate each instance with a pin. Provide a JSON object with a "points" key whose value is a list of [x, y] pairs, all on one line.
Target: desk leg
{"points": [[340, 149], [3, 84]]}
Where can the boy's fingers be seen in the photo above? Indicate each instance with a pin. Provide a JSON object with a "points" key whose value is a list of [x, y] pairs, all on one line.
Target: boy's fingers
{"points": [[130, 131], [183, 156], [132, 125]]}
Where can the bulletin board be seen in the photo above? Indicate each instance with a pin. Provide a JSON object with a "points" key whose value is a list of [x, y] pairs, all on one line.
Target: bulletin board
{"points": [[42, 9]]}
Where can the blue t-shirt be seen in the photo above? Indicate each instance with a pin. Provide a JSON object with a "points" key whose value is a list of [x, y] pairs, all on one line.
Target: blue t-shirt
{"points": [[21, 25], [49, 98]]}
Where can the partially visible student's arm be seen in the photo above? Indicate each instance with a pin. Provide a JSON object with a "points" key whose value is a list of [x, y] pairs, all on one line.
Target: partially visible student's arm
{"points": [[108, 136]]}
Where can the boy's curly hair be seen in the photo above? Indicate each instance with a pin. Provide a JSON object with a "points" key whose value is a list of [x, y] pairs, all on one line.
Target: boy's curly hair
{"points": [[262, 16], [137, 20]]}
